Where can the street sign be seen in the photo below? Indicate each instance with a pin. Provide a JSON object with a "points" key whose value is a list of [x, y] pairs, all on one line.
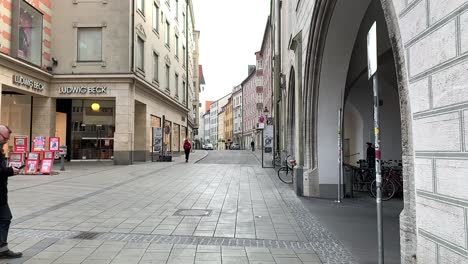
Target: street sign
{"points": [[372, 50]]}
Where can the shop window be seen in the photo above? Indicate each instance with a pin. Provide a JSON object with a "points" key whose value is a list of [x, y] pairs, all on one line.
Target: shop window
{"points": [[140, 54], [29, 34], [89, 44]]}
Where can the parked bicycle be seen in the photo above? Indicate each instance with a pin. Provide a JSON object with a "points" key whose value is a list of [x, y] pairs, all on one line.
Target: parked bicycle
{"points": [[391, 183], [286, 172]]}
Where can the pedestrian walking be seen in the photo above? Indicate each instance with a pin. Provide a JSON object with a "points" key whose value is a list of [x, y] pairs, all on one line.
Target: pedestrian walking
{"points": [[252, 145], [370, 157], [5, 213], [187, 148]]}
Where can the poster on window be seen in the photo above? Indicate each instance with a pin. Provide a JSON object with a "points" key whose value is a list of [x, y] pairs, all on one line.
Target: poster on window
{"points": [[24, 42], [46, 166], [39, 143], [54, 143], [20, 144], [157, 139]]}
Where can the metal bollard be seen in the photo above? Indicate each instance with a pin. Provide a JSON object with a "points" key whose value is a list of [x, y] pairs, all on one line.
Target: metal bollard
{"points": [[62, 162]]}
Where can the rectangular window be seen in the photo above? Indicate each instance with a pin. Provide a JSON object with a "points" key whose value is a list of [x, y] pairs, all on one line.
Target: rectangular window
{"points": [[168, 34], [176, 84], [167, 77], [29, 34], [140, 54], [184, 88], [155, 67], [89, 44], [141, 6], [183, 22], [177, 9], [155, 17], [183, 55], [176, 46]]}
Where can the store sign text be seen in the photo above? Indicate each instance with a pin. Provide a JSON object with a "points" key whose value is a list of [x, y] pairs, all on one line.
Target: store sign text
{"points": [[83, 90], [29, 83]]}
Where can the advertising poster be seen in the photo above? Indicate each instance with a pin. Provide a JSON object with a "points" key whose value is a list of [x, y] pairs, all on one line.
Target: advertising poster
{"points": [[48, 154], [157, 139], [25, 27], [33, 156], [31, 166], [54, 143], [46, 167], [268, 139], [20, 144], [39, 143], [15, 156]]}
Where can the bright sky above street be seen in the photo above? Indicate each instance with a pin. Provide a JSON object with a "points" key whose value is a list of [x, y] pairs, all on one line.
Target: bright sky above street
{"points": [[230, 34]]}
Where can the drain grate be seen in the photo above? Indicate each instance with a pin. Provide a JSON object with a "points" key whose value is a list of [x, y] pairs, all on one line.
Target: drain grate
{"points": [[193, 212], [86, 235]]}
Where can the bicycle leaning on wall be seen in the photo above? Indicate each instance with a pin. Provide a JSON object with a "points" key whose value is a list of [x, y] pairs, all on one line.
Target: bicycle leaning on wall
{"points": [[286, 172]]}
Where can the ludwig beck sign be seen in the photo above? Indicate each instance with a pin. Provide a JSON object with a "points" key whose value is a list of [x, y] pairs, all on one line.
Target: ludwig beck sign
{"points": [[83, 90]]}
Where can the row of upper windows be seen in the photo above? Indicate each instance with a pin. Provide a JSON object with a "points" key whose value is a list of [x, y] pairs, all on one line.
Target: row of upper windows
{"points": [[156, 14]]}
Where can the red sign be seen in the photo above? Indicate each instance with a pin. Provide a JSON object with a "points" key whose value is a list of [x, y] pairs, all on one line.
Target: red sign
{"points": [[48, 155], [46, 166], [31, 166], [54, 143], [39, 143], [20, 144]]}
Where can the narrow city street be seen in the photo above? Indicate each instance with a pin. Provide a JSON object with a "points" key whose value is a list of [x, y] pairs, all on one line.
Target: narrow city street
{"points": [[221, 207]]}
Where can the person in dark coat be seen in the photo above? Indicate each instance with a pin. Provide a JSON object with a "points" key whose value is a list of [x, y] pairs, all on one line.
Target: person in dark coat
{"points": [[5, 213], [252, 145], [187, 148], [370, 158]]}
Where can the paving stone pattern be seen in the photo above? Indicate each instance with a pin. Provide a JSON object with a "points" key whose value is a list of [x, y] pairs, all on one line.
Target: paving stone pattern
{"points": [[254, 218]]}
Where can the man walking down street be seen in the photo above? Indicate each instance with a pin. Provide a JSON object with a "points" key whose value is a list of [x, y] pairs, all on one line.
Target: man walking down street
{"points": [[5, 213], [252, 145], [187, 148]]}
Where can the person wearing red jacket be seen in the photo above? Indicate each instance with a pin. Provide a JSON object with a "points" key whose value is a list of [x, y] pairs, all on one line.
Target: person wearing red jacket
{"points": [[187, 148]]}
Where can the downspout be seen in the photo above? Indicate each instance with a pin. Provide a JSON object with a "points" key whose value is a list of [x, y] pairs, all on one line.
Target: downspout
{"points": [[132, 31], [278, 74], [187, 64]]}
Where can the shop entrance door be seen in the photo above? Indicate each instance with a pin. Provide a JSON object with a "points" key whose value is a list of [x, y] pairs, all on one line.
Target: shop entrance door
{"points": [[93, 130], [95, 143]]}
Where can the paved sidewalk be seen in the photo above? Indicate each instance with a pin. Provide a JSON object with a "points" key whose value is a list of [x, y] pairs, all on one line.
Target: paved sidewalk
{"points": [[132, 214]]}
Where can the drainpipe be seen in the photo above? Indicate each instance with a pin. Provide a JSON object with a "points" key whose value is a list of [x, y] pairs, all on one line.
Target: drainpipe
{"points": [[277, 73], [132, 46]]}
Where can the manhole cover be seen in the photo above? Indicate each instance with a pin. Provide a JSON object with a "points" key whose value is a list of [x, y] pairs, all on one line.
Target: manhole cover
{"points": [[86, 235], [193, 212]]}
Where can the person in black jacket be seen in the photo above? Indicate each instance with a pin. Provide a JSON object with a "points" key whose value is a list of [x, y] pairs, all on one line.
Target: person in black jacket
{"points": [[5, 213]]}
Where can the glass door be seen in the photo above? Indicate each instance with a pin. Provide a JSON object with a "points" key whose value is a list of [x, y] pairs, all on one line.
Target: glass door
{"points": [[93, 129]]}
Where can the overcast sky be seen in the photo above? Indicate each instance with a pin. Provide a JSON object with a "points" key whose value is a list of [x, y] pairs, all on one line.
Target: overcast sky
{"points": [[230, 34]]}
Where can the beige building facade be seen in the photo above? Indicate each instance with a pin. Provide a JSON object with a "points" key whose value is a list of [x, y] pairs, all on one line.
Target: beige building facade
{"points": [[132, 59]]}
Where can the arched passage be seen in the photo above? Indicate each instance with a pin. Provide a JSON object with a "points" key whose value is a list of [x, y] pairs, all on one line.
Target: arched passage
{"points": [[333, 37]]}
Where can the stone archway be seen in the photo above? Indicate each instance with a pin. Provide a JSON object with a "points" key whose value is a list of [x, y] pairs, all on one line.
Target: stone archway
{"points": [[326, 66]]}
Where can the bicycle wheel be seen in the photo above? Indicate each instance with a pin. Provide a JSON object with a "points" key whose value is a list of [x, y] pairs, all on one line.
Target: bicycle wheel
{"points": [[285, 175], [388, 189]]}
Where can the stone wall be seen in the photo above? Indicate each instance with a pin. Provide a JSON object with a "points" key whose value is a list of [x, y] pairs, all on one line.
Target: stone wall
{"points": [[434, 35]]}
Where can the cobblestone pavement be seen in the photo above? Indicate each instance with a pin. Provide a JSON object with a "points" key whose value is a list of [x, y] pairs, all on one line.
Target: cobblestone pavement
{"points": [[97, 213]]}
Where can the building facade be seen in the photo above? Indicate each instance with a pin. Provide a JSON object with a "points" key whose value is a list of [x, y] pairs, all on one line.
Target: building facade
{"points": [[228, 123], [324, 60], [214, 124], [136, 69], [249, 110], [221, 126], [237, 114], [207, 128]]}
